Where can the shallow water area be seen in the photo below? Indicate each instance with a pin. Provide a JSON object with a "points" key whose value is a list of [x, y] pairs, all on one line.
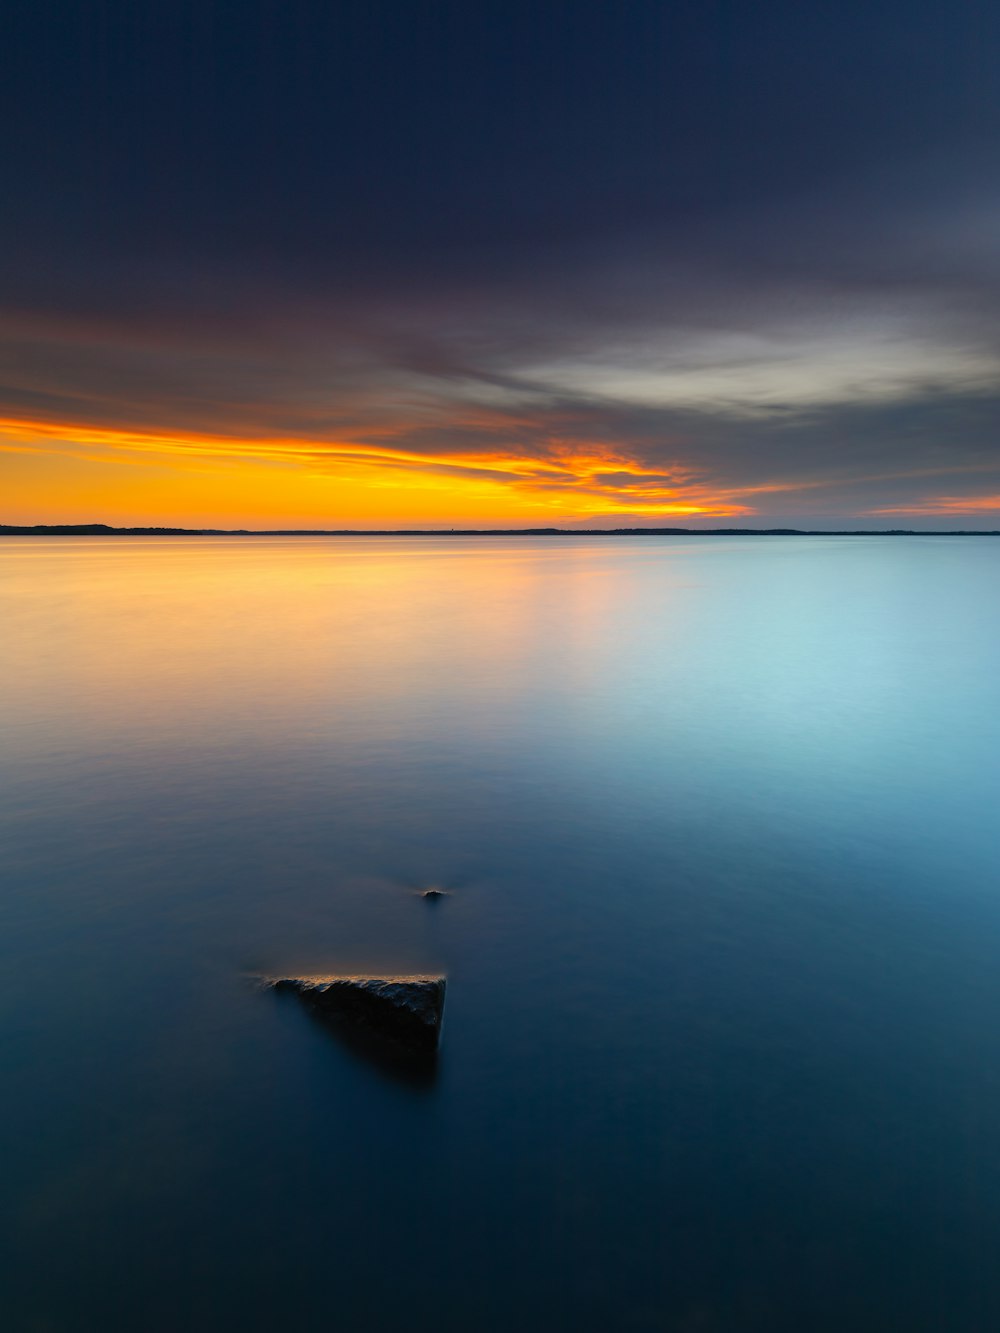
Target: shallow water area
{"points": [[714, 822]]}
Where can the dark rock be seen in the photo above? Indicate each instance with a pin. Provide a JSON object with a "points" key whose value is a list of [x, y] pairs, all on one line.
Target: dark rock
{"points": [[433, 893], [407, 1010]]}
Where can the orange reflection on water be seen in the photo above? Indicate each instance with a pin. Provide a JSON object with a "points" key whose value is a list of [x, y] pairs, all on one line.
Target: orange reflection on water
{"points": [[290, 641]]}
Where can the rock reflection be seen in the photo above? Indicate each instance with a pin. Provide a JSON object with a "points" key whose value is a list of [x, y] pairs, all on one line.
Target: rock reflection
{"points": [[392, 1060]]}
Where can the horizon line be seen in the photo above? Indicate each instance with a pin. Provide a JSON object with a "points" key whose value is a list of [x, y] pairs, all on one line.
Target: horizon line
{"points": [[108, 530]]}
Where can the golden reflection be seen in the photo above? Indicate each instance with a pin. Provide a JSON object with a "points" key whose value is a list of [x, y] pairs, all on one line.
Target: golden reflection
{"points": [[344, 638]]}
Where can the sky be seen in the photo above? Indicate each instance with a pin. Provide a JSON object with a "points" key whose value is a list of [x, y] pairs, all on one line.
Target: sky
{"points": [[327, 263]]}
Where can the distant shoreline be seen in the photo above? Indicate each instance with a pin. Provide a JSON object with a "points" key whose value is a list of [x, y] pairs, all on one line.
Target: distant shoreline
{"points": [[104, 530]]}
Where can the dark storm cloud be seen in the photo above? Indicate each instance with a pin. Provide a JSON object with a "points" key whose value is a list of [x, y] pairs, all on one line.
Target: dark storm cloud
{"points": [[753, 242]]}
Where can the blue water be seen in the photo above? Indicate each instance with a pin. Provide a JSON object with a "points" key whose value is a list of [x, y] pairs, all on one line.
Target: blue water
{"points": [[718, 818]]}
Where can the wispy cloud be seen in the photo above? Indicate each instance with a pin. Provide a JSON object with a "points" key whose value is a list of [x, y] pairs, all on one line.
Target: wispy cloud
{"points": [[706, 386], [945, 504]]}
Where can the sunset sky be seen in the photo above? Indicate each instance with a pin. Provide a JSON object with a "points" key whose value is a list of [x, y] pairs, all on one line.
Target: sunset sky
{"points": [[496, 263]]}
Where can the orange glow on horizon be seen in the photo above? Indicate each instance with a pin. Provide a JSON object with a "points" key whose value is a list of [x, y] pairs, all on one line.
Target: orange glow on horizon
{"points": [[71, 472]]}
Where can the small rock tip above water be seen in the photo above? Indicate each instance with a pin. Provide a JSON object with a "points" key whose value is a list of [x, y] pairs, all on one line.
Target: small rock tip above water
{"points": [[407, 1009]]}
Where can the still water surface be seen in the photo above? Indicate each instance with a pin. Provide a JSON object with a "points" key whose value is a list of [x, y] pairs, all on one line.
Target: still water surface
{"points": [[719, 821]]}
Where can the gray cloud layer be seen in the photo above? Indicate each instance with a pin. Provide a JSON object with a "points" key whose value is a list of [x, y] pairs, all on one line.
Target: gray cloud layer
{"points": [[759, 250]]}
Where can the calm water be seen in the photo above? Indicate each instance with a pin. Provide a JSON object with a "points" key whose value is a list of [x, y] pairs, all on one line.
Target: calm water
{"points": [[719, 818]]}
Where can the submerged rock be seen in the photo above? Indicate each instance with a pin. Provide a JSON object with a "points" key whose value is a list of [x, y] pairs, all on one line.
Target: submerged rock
{"points": [[406, 1009]]}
